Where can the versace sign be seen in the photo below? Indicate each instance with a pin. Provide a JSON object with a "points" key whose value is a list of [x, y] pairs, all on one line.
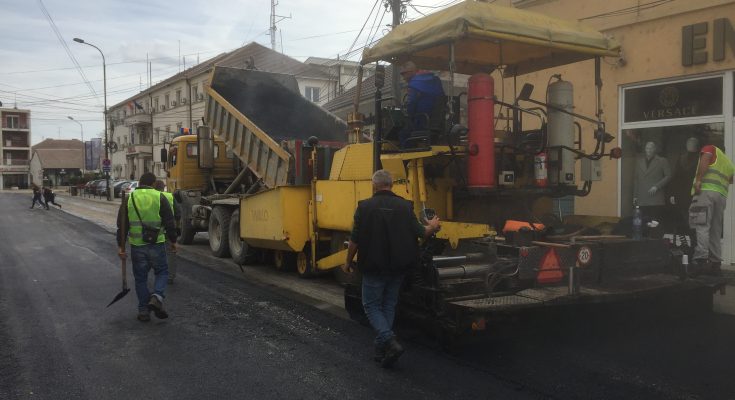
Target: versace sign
{"points": [[702, 97]]}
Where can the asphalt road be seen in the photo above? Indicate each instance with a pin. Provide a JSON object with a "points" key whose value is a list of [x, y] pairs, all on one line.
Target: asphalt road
{"points": [[230, 338]]}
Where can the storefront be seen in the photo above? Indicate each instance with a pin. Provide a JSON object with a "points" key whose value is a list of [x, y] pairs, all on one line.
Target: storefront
{"points": [[663, 125]]}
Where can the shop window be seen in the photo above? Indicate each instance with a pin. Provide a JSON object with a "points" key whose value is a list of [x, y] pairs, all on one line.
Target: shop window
{"points": [[658, 167]]}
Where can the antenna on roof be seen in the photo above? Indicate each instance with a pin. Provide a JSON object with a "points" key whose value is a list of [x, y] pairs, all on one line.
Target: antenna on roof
{"points": [[273, 28]]}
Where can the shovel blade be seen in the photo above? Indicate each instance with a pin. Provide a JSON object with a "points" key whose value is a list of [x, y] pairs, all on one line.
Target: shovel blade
{"points": [[119, 296]]}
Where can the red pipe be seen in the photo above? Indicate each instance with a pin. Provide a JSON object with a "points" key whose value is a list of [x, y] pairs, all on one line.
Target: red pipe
{"points": [[481, 136]]}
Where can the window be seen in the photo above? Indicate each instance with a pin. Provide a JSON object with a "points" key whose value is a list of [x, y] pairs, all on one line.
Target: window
{"points": [[194, 92], [147, 106], [12, 121], [178, 127], [168, 131], [166, 100], [155, 103], [312, 93], [172, 156], [125, 113], [158, 136], [192, 150], [178, 96]]}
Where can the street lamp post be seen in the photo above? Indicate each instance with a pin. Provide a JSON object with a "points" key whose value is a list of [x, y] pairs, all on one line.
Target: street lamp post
{"points": [[84, 164], [104, 83]]}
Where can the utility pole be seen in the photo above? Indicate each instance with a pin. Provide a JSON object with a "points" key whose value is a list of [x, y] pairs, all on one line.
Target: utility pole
{"points": [[273, 28], [273, 25], [395, 6]]}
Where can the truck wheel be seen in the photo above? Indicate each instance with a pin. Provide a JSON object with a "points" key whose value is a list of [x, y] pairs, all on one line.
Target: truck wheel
{"points": [[284, 260], [219, 229], [303, 263], [187, 231], [240, 251]]}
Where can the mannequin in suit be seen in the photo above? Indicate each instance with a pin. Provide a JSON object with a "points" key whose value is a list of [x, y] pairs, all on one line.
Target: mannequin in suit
{"points": [[652, 173]]}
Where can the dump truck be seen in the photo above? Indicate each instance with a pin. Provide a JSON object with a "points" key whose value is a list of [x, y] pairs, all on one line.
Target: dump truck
{"points": [[273, 175]]}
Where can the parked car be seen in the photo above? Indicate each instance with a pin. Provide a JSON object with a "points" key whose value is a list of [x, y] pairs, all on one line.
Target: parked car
{"points": [[101, 189], [130, 188], [91, 186], [118, 187]]}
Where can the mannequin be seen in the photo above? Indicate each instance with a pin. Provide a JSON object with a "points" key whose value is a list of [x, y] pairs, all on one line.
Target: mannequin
{"points": [[652, 174]]}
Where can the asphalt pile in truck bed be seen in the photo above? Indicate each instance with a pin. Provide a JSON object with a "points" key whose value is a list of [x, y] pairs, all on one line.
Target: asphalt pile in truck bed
{"points": [[273, 102]]}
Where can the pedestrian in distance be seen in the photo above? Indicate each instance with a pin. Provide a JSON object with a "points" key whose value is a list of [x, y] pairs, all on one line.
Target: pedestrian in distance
{"points": [[170, 255], [707, 211], [144, 218], [385, 233], [49, 197], [36, 196]]}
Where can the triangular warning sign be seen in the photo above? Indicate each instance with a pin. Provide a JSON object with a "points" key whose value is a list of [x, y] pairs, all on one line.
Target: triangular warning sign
{"points": [[550, 271]]}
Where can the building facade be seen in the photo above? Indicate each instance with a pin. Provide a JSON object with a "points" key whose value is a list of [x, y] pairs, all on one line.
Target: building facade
{"points": [[15, 148], [56, 162], [673, 86], [143, 124]]}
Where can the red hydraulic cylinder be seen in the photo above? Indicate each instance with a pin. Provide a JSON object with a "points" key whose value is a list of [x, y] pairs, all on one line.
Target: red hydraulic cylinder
{"points": [[481, 136]]}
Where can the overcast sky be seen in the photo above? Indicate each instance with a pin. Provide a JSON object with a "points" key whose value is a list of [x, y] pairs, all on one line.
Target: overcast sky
{"points": [[37, 73]]}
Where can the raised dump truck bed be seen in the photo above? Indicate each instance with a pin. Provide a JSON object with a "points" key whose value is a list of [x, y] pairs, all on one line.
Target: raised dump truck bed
{"points": [[254, 112]]}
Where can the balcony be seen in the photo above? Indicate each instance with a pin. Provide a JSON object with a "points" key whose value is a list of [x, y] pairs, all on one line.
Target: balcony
{"points": [[13, 165], [141, 118], [15, 125], [7, 143], [135, 149]]}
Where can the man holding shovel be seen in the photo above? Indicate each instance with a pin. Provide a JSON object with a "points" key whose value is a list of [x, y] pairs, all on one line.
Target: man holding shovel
{"points": [[143, 218]]}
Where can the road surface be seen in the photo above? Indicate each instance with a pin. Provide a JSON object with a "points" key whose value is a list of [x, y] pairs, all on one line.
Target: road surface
{"points": [[231, 337]]}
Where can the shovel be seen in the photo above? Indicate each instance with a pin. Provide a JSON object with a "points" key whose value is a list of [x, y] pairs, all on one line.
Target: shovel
{"points": [[125, 289]]}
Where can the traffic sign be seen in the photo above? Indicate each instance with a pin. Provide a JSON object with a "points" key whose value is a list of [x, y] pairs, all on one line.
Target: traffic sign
{"points": [[106, 168], [106, 162], [584, 256]]}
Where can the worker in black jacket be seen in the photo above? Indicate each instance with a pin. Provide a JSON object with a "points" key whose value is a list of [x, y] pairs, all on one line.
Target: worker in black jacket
{"points": [[144, 218], [385, 232]]}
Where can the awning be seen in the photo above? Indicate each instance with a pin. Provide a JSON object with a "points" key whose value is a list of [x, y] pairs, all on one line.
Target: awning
{"points": [[487, 36]]}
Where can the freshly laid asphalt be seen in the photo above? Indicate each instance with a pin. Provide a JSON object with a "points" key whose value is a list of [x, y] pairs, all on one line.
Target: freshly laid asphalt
{"points": [[235, 335]]}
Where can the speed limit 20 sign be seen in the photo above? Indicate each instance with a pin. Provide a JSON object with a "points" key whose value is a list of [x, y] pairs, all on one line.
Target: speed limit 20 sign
{"points": [[584, 256]]}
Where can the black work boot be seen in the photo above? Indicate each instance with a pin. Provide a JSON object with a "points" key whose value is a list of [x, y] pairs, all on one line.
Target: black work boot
{"points": [[715, 268], [155, 305], [393, 351], [380, 352]]}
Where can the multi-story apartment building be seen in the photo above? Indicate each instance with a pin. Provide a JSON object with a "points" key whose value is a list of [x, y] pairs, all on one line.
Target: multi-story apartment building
{"points": [[142, 124], [15, 148]]}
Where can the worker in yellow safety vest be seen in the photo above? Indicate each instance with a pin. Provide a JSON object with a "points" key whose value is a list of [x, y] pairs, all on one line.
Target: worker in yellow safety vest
{"points": [[143, 218], [707, 211], [170, 255]]}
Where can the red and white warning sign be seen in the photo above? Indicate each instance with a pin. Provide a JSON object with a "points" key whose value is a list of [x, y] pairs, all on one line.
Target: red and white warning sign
{"points": [[584, 256]]}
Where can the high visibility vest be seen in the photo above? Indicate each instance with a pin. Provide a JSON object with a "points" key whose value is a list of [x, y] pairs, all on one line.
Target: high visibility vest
{"points": [[148, 202], [170, 198], [718, 175]]}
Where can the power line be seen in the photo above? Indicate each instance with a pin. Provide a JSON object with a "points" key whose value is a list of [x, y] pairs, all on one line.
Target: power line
{"points": [[64, 45]]}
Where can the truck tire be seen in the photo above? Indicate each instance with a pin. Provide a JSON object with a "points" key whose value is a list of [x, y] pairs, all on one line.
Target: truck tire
{"points": [[284, 260], [186, 229], [303, 263], [219, 229], [240, 251]]}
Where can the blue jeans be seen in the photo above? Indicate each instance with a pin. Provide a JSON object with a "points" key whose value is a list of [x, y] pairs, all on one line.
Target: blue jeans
{"points": [[144, 258], [379, 299]]}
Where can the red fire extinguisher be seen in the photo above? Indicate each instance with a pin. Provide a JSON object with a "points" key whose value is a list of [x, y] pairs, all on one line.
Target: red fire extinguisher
{"points": [[541, 170]]}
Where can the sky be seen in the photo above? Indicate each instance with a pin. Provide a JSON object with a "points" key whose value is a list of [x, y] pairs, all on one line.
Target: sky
{"points": [[36, 72]]}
